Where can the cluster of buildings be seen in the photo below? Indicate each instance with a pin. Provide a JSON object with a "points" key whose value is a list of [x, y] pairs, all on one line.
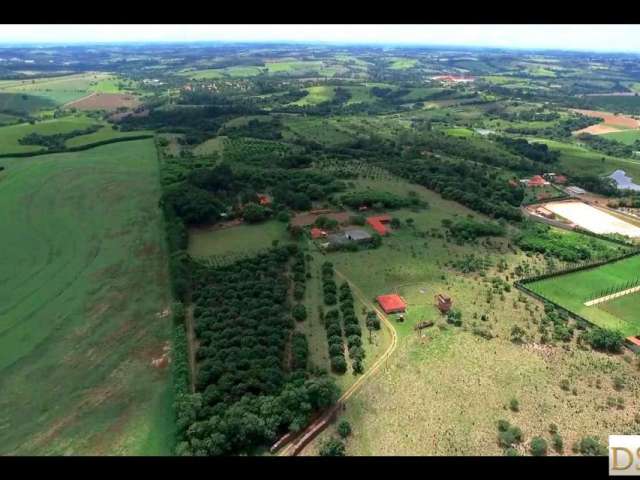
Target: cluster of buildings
{"points": [[543, 180], [453, 79]]}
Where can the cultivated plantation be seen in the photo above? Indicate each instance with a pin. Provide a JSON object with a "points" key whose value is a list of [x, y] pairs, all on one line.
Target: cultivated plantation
{"points": [[84, 295]]}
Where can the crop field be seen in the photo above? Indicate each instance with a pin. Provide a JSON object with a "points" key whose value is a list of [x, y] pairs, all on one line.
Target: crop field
{"points": [[217, 73], [84, 304], [243, 239], [60, 90], [573, 289], [442, 392], [105, 101], [299, 67]]}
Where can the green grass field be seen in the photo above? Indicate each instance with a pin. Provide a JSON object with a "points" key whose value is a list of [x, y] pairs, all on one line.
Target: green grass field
{"points": [[627, 137], [316, 95], [403, 63], [217, 73], [83, 280], [213, 145], [573, 289], [237, 240], [63, 89], [11, 134], [581, 160]]}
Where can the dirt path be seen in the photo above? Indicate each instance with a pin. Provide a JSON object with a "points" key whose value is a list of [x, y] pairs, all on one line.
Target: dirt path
{"points": [[191, 344], [289, 449]]}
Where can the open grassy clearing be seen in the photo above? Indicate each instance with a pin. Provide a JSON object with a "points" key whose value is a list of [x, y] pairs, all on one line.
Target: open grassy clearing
{"points": [[443, 393], [628, 137], [316, 95], [83, 284], [236, 240], [208, 147], [573, 289], [217, 73], [403, 63]]}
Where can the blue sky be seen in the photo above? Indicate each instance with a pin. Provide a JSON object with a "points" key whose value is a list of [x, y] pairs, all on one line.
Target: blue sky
{"points": [[621, 38]]}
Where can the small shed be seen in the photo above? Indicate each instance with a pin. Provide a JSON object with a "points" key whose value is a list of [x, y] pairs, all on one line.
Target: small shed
{"points": [[443, 303], [357, 235], [318, 233]]}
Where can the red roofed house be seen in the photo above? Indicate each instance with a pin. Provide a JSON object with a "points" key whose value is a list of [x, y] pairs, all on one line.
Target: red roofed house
{"points": [[264, 199], [317, 233], [378, 223], [392, 303], [537, 181]]}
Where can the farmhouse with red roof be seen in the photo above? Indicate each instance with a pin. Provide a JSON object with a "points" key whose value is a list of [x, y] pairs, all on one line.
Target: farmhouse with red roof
{"points": [[378, 223], [317, 233], [264, 199], [537, 181], [392, 303]]}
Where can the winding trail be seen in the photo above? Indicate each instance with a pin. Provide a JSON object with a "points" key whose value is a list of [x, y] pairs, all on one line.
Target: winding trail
{"points": [[290, 449]]}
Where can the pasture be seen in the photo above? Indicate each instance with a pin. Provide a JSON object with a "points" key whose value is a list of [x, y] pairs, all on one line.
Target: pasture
{"points": [[443, 391], [316, 95], [217, 243], [573, 289], [63, 89], [105, 101], [84, 301], [628, 137]]}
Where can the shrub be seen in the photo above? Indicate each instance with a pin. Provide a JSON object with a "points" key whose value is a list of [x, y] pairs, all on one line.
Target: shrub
{"points": [[299, 312], [503, 425], [344, 429], [590, 446], [538, 447], [332, 448], [556, 441], [514, 405]]}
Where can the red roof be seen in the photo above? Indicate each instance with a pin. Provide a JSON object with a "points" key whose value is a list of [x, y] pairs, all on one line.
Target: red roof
{"points": [[264, 199], [536, 180], [392, 303], [377, 223], [317, 233]]}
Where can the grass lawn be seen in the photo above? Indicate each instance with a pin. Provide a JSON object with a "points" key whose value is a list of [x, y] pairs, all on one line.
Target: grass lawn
{"points": [[403, 63], [235, 241], [83, 278], [573, 289], [217, 73]]}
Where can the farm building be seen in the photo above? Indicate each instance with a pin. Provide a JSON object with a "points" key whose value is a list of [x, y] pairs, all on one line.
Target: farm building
{"points": [[347, 236], [392, 303], [318, 233], [379, 223], [357, 235], [573, 190], [560, 179], [443, 303], [537, 181]]}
